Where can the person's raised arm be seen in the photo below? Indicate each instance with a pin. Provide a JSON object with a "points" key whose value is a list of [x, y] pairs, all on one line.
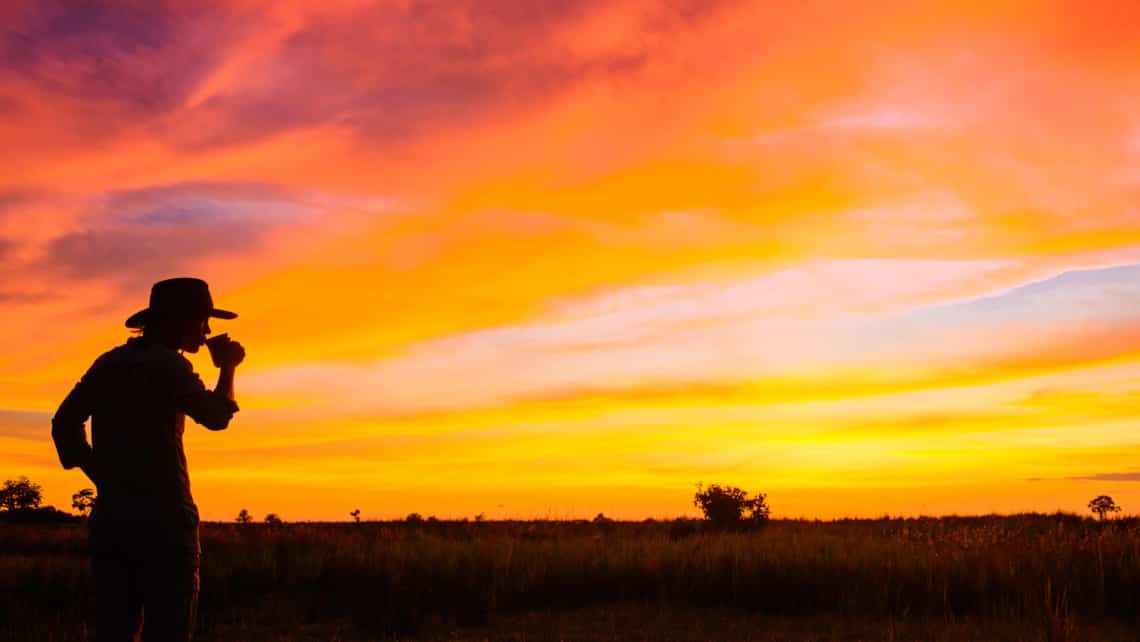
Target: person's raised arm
{"points": [[228, 356], [225, 385], [211, 408]]}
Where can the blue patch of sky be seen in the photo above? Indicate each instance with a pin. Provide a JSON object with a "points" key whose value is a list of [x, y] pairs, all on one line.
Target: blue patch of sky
{"points": [[202, 203], [203, 211], [192, 206], [1101, 295]]}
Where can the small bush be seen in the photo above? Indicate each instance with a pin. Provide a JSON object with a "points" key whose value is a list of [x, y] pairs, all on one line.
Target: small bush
{"points": [[729, 506]]}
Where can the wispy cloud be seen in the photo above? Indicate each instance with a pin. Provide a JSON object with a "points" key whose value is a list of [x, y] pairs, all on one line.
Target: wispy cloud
{"points": [[22, 424], [1128, 476], [811, 333], [141, 233]]}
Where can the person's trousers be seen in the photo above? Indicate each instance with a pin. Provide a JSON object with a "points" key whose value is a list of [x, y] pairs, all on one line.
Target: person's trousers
{"points": [[152, 586]]}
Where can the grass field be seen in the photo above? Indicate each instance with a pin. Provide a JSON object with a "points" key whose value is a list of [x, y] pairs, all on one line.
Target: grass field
{"points": [[1025, 577]]}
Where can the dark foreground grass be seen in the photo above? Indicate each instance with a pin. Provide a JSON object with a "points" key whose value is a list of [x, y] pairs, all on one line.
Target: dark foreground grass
{"points": [[1026, 577]]}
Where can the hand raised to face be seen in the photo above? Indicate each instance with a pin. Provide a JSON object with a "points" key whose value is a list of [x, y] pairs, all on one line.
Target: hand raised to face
{"points": [[224, 351], [235, 354]]}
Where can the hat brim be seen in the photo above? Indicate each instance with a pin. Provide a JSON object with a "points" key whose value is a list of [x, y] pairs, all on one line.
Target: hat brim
{"points": [[138, 319]]}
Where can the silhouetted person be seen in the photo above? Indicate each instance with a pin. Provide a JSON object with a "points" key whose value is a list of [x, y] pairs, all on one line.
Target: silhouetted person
{"points": [[144, 526]]}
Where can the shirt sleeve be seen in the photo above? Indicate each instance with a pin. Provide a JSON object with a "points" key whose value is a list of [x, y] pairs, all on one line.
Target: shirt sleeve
{"points": [[209, 408], [67, 425]]}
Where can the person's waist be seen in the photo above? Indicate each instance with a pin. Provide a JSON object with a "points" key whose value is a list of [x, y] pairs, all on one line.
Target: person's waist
{"points": [[170, 511], [114, 493]]}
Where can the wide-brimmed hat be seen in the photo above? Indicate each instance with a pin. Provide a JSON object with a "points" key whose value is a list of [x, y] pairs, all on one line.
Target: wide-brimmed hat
{"points": [[181, 298]]}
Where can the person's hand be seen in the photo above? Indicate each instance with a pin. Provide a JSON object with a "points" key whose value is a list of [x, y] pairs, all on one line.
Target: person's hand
{"points": [[225, 352], [233, 354]]}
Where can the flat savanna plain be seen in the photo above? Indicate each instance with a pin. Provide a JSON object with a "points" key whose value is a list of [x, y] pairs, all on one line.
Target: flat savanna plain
{"points": [[1024, 577]]}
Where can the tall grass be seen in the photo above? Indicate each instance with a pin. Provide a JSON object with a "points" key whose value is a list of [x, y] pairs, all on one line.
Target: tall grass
{"points": [[1048, 569]]}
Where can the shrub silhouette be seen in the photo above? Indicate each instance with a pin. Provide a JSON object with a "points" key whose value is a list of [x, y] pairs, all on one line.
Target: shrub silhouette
{"points": [[83, 501], [414, 518], [727, 505], [21, 494], [244, 517], [273, 520], [1102, 505], [356, 515]]}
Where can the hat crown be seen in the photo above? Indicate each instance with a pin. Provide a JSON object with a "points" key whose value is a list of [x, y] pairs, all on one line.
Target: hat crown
{"points": [[182, 296]]}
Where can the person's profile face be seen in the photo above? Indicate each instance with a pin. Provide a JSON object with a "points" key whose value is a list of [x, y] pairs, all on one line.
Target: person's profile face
{"points": [[194, 333]]}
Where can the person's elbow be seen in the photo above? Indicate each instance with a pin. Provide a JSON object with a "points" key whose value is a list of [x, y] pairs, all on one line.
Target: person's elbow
{"points": [[70, 442], [213, 411], [216, 420], [59, 429], [217, 423], [63, 421]]}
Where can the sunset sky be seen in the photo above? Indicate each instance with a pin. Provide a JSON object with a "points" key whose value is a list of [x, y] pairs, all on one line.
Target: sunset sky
{"points": [[550, 259]]}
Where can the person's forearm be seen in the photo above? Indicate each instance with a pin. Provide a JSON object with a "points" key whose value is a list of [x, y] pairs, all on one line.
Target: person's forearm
{"points": [[226, 382]]}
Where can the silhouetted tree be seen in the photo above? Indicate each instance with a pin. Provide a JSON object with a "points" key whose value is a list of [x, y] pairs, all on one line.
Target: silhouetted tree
{"points": [[414, 518], [727, 505], [480, 517], [83, 501], [760, 511], [356, 515], [1102, 505], [601, 518], [244, 517], [21, 494], [273, 520]]}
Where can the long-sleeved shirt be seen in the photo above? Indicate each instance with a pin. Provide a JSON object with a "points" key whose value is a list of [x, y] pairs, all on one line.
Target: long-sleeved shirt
{"points": [[138, 396]]}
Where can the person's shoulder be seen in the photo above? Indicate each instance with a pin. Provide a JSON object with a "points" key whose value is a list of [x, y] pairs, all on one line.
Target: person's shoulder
{"points": [[158, 356], [110, 360], [110, 356], [168, 358]]}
